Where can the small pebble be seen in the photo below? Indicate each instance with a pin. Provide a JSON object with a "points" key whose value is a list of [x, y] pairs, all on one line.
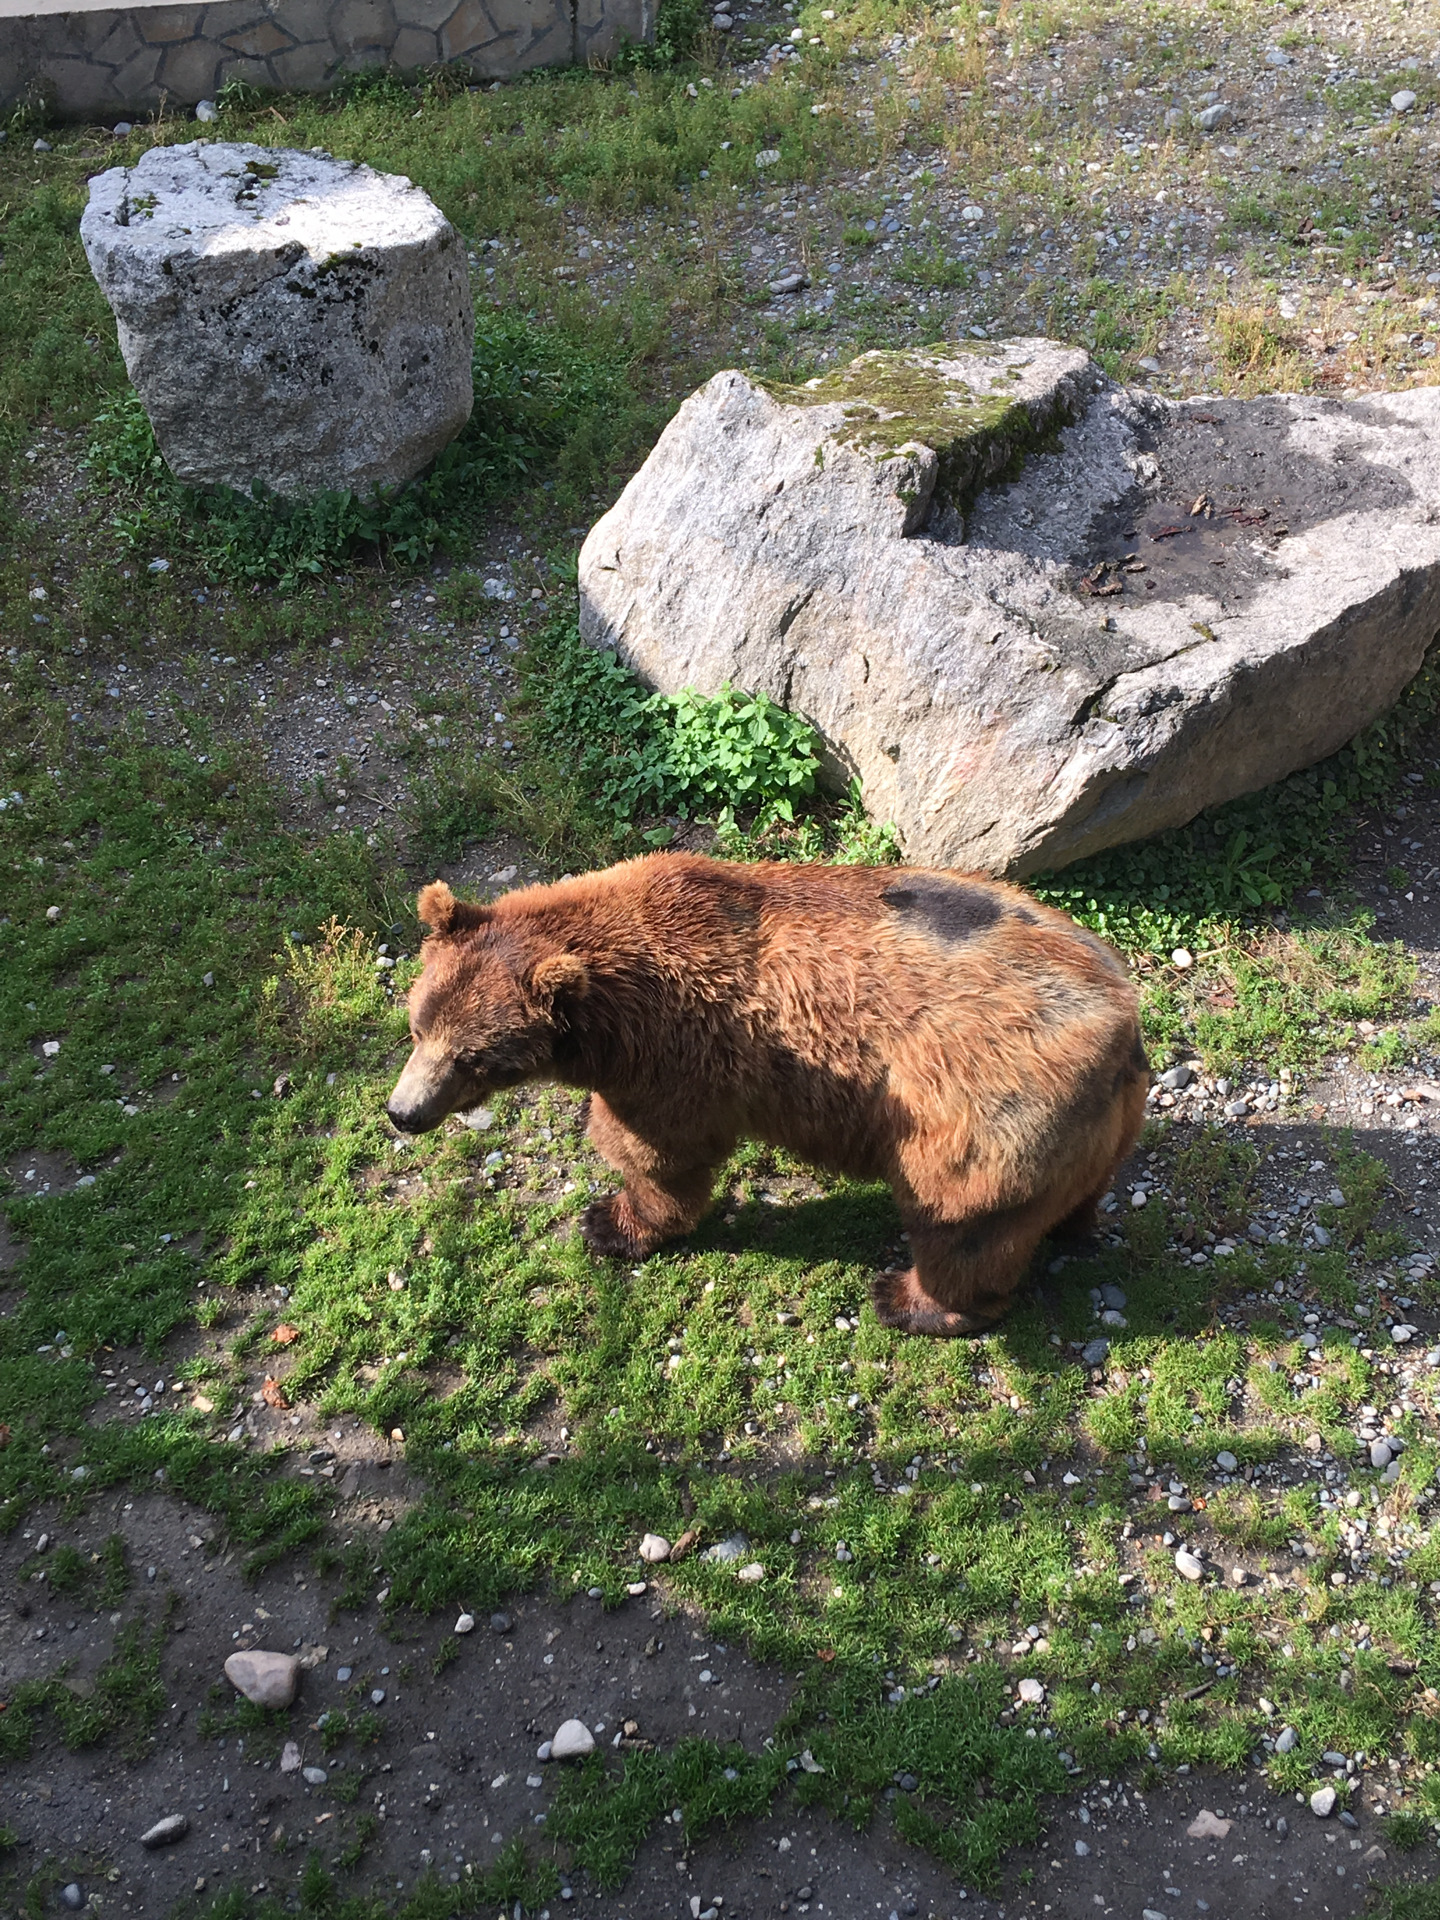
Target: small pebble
{"points": [[572, 1741], [500, 1623], [72, 1896], [1226, 1462], [465, 1624], [1286, 1740], [314, 1776], [1031, 1691], [1322, 1802], [165, 1832], [654, 1548], [1189, 1565]]}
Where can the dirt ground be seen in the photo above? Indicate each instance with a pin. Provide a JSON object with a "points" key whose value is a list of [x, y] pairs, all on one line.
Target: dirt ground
{"points": [[453, 1771]]}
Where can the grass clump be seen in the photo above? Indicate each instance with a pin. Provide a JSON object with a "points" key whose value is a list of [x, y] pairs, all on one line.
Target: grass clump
{"points": [[543, 399]]}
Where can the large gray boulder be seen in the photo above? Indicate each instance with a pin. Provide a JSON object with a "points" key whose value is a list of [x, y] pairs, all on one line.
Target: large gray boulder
{"points": [[1037, 613], [285, 317]]}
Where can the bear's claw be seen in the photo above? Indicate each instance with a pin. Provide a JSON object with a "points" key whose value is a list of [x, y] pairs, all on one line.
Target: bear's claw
{"points": [[602, 1233], [901, 1301]]}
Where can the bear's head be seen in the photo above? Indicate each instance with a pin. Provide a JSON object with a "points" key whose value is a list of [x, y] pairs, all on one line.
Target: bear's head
{"points": [[485, 1012]]}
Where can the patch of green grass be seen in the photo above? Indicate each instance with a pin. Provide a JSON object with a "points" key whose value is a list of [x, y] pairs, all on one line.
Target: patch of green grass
{"points": [[57, 342], [543, 399], [123, 1701]]}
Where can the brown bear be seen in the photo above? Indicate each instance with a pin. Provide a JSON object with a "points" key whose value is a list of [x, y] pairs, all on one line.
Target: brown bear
{"points": [[939, 1031]]}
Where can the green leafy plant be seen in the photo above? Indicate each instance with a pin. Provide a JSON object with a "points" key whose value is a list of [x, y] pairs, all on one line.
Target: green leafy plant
{"points": [[645, 754]]}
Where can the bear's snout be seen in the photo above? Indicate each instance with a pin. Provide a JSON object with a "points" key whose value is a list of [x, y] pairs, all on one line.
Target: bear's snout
{"points": [[427, 1091]]}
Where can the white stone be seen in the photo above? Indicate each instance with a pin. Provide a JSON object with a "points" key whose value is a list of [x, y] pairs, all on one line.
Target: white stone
{"points": [[1380, 1455], [290, 1758], [1404, 101], [1322, 1802], [1208, 1826], [265, 1679], [1402, 1332], [165, 1832], [285, 317], [206, 111], [1182, 958], [465, 1623], [314, 1776], [1189, 1565], [752, 1574], [805, 543], [654, 1548], [573, 1740], [1031, 1691]]}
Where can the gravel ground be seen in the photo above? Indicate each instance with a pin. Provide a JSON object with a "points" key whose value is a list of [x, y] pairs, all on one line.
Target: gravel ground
{"points": [[453, 1771]]}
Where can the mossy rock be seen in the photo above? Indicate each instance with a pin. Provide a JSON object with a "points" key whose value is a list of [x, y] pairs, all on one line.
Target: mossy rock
{"points": [[981, 407]]}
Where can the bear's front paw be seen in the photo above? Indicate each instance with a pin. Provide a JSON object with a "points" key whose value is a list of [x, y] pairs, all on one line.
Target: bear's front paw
{"points": [[901, 1301], [604, 1229]]}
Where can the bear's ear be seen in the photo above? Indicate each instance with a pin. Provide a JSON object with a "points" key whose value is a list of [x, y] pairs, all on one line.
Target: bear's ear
{"points": [[438, 908], [557, 973]]}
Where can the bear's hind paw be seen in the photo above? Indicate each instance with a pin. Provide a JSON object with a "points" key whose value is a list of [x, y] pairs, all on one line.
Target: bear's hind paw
{"points": [[603, 1234], [900, 1301]]}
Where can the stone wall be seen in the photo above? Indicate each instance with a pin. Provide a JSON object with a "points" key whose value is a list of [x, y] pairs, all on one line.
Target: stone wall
{"points": [[97, 65]]}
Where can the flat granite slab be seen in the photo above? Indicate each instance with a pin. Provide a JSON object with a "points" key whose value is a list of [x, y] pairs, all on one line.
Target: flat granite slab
{"points": [[1039, 629]]}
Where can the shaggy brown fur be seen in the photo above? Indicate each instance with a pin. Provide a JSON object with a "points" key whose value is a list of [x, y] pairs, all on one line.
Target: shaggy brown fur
{"points": [[945, 1033]]}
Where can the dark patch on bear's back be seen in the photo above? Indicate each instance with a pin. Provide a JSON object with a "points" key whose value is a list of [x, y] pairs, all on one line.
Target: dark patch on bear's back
{"points": [[948, 910]]}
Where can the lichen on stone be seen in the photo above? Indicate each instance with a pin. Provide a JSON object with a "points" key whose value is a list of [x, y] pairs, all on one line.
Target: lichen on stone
{"points": [[891, 401]]}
